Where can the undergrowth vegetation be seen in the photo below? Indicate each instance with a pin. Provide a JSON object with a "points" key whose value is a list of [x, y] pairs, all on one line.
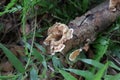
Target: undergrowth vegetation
{"points": [[31, 19]]}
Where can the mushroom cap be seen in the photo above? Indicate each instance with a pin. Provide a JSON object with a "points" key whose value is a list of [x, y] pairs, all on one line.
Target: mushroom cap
{"points": [[58, 34]]}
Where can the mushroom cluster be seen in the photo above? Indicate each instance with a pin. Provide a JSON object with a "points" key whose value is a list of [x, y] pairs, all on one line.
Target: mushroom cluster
{"points": [[114, 5], [58, 34]]}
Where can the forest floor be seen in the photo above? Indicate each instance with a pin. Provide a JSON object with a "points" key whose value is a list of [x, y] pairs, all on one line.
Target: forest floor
{"points": [[23, 28]]}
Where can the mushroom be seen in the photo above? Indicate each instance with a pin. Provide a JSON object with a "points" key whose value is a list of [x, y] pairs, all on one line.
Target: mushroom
{"points": [[114, 4], [58, 34], [74, 54]]}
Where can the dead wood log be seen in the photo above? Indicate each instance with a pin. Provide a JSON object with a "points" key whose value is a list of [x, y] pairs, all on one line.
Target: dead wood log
{"points": [[89, 25]]}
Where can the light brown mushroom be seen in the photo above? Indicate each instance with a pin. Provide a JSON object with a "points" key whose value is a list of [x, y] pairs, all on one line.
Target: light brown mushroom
{"points": [[58, 34], [74, 54], [114, 5]]}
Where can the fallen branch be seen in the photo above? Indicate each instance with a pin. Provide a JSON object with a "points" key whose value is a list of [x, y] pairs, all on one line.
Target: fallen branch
{"points": [[86, 27]]}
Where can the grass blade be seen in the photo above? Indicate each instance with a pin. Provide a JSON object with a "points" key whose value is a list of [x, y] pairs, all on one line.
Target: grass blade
{"points": [[9, 77], [40, 57], [101, 46], [93, 62], [114, 66], [33, 74], [100, 73], [85, 5], [56, 62], [13, 59], [40, 47], [67, 75], [111, 77], [86, 74], [12, 2]]}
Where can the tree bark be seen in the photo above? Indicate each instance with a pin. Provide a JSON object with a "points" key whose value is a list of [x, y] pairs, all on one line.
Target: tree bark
{"points": [[90, 24]]}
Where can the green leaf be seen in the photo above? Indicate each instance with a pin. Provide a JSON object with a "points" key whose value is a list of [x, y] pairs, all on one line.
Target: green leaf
{"points": [[33, 74], [43, 3], [85, 4], [115, 50], [38, 35], [93, 62], [9, 77], [1, 26], [67, 75], [15, 9], [40, 47], [13, 59], [100, 73], [111, 77], [86, 74], [114, 66], [56, 62], [43, 74], [101, 46], [40, 57], [37, 54], [11, 4]]}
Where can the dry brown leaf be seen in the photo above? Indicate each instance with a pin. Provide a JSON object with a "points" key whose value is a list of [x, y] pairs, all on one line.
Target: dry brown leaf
{"points": [[27, 29], [2, 2], [6, 66], [17, 50]]}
